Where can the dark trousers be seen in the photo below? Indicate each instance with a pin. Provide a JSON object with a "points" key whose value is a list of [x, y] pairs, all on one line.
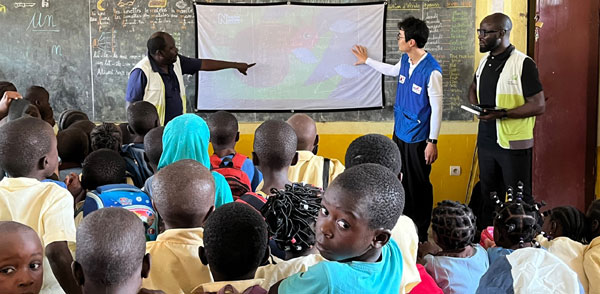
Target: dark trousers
{"points": [[418, 190], [499, 169]]}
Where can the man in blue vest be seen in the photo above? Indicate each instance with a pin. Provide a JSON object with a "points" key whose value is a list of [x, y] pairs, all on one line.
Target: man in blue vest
{"points": [[158, 77], [506, 79], [417, 115]]}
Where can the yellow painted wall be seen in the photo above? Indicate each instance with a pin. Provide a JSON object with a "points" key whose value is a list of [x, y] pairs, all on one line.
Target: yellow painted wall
{"points": [[457, 139]]}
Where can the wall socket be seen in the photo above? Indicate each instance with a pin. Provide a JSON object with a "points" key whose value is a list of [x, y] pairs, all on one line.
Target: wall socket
{"points": [[455, 170]]}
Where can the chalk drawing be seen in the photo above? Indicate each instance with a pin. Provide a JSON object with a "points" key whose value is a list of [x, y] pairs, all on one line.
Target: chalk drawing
{"points": [[157, 3], [125, 3], [2, 9], [24, 5]]}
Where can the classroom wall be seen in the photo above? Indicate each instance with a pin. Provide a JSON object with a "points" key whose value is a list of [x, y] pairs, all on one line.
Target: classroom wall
{"points": [[457, 139]]}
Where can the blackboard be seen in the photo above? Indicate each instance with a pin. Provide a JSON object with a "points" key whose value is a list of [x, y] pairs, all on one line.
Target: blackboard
{"points": [[82, 51]]}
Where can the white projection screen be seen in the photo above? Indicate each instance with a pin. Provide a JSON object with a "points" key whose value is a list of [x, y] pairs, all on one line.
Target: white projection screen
{"points": [[302, 53]]}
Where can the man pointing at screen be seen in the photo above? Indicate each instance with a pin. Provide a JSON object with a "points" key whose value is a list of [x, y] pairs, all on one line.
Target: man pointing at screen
{"points": [[158, 78], [417, 115]]}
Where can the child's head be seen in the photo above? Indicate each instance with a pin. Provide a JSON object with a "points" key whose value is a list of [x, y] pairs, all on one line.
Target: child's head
{"points": [[153, 146], [70, 116], [103, 167], [73, 145], [223, 130], [39, 97], [235, 242], [106, 135], [21, 259], [358, 212], [306, 131], [111, 251], [183, 194], [453, 225], [141, 118], [274, 145], [291, 215], [565, 221], [6, 86], [592, 220], [374, 148], [516, 224], [28, 148]]}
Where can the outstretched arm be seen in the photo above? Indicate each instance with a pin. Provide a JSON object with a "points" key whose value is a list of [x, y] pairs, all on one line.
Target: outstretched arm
{"points": [[362, 58], [212, 65], [60, 260]]}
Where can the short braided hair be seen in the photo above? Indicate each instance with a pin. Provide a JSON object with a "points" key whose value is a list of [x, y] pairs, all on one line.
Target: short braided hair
{"points": [[516, 220], [571, 219], [290, 214], [454, 225]]}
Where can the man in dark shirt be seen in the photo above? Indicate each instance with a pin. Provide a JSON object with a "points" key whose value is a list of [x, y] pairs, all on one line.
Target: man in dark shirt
{"points": [[163, 59], [506, 79]]}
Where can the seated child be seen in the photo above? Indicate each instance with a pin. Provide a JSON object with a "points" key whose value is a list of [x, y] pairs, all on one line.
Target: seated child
{"points": [[311, 168], [106, 135], [103, 176], [141, 118], [184, 196], [529, 270], [563, 231], [353, 232], [21, 259], [110, 253], [73, 147], [379, 149], [39, 97], [460, 264], [22, 108], [274, 151], [235, 244], [291, 214], [153, 147], [224, 135], [187, 137], [591, 255], [515, 226], [28, 155]]}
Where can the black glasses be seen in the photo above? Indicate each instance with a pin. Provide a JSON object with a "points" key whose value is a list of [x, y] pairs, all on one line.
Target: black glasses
{"points": [[485, 33], [398, 36]]}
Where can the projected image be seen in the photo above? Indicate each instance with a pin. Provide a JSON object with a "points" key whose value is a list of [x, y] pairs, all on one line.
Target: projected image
{"points": [[302, 55]]}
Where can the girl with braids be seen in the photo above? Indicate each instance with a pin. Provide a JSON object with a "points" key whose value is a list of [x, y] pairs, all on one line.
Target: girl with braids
{"points": [[562, 234], [290, 214], [516, 265], [515, 225], [460, 264]]}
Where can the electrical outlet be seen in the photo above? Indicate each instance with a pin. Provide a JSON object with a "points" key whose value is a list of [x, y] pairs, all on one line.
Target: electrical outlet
{"points": [[455, 170]]}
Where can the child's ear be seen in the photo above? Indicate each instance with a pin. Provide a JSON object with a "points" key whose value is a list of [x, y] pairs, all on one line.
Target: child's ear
{"points": [[595, 225], [130, 130], [210, 210], [237, 136], [77, 273], [202, 255], [295, 159], [381, 237], [255, 160], [43, 163], [146, 266]]}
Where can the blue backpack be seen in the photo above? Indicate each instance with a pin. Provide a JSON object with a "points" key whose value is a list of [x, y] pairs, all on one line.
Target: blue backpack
{"points": [[128, 197]]}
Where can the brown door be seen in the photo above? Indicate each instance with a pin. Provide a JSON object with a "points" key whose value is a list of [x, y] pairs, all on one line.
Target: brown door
{"points": [[566, 52]]}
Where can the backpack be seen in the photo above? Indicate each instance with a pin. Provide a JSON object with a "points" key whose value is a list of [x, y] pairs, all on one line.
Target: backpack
{"points": [[231, 169], [125, 196], [137, 167]]}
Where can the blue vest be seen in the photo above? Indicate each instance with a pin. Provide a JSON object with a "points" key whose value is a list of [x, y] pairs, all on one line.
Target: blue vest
{"points": [[412, 111]]}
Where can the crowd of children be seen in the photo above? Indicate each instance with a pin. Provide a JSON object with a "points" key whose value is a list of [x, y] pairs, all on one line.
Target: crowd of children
{"points": [[90, 209]]}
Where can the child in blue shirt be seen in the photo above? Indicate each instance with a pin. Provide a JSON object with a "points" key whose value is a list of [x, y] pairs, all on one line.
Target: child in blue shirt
{"points": [[460, 264], [353, 231]]}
